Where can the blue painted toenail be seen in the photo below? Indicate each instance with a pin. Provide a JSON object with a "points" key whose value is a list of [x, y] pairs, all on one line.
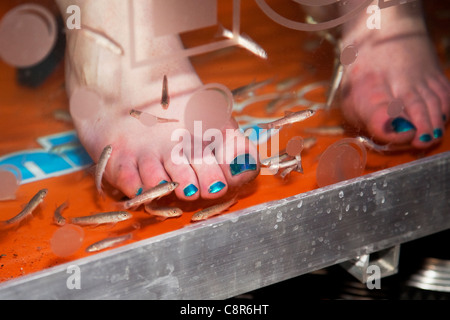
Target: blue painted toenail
{"points": [[242, 163], [425, 137], [139, 191], [162, 181], [216, 187], [437, 133], [402, 125], [190, 190]]}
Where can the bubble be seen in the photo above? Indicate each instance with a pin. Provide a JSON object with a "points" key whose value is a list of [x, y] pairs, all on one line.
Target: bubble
{"points": [[10, 177], [341, 161], [84, 103], [395, 108], [210, 106], [349, 55], [27, 35], [294, 146], [67, 240]]}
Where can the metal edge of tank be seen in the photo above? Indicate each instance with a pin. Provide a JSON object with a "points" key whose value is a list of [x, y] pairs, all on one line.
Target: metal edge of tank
{"points": [[261, 245]]}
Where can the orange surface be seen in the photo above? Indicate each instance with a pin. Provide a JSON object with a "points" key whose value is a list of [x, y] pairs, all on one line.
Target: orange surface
{"points": [[26, 114]]}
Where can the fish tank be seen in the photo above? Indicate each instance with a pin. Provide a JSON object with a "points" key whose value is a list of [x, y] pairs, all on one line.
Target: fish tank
{"points": [[207, 148]]}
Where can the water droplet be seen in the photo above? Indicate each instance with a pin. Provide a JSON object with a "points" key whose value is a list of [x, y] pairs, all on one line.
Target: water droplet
{"points": [[347, 208], [341, 194], [299, 205]]}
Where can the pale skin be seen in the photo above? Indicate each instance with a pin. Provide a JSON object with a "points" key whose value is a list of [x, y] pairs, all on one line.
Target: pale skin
{"points": [[397, 61]]}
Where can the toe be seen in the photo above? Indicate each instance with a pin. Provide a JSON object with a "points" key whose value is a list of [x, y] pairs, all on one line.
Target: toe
{"points": [[179, 170], [435, 112], [124, 175], [238, 158], [152, 171], [417, 111], [211, 179]]}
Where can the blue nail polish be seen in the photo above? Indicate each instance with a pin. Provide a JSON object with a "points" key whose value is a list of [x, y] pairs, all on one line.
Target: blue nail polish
{"points": [[162, 181], [437, 133], [242, 163], [216, 187], [425, 137], [139, 191], [402, 125], [190, 190]]}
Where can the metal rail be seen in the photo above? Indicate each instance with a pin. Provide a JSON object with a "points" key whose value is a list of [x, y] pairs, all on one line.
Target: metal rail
{"points": [[261, 245]]}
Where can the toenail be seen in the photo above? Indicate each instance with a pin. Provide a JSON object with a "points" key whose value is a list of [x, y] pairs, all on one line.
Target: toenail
{"points": [[437, 133], [139, 191], [216, 187], [190, 190], [402, 125], [425, 137], [163, 181], [242, 163]]}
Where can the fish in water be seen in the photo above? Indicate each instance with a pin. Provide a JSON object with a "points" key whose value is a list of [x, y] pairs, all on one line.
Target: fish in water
{"points": [[151, 194], [57, 216], [29, 208], [137, 114], [326, 130], [101, 166], [102, 39], [108, 243], [290, 117], [102, 218], [368, 143], [165, 99], [213, 210], [163, 212]]}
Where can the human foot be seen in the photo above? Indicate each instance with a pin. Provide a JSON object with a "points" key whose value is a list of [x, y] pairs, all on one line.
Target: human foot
{"points": [[395, 89], [143, 155]]}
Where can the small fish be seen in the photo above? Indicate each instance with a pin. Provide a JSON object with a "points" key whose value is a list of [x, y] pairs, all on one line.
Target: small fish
{"points": [[163, 212], [249, 89], [108, 243], [285, 164], [287, 171], [368, 143], [213, 210], [165, 99], [290, 117], [101, 165], [102, 218], [246, 42], [57, 216], [326, 130], [151, 194], [137, 114], [275, 159], [61, 148], [335, 83], [62, 115], [102, 39], [29, 208], [309, 142]]}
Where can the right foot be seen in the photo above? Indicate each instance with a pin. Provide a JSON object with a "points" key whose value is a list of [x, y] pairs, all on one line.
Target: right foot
{"points": [[142, 155]]}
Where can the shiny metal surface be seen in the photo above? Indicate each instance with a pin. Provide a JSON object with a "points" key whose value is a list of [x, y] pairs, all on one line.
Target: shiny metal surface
{"points": [[261, 245], [434, 275]]}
